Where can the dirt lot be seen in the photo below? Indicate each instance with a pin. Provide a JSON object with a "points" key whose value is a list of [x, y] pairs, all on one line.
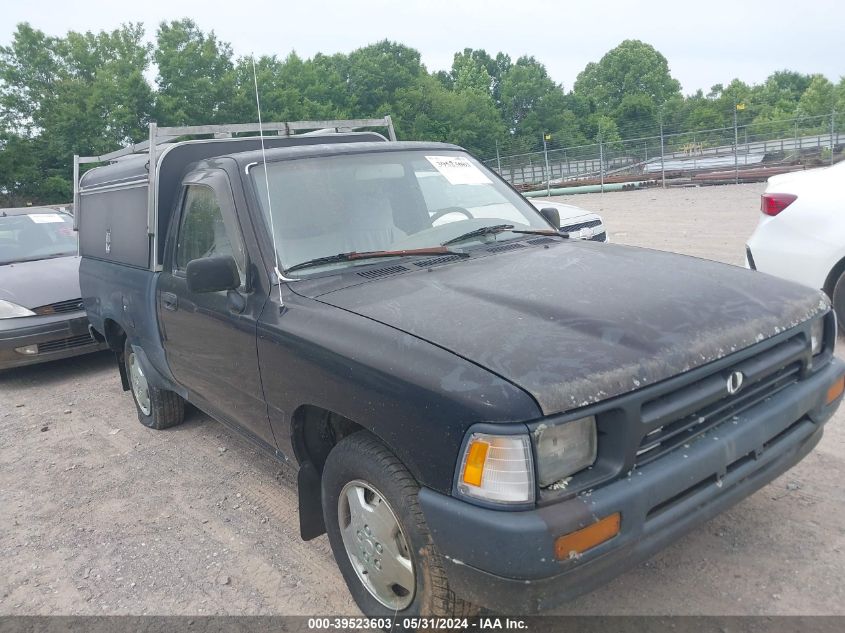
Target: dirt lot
{"points": [[103, 516]]}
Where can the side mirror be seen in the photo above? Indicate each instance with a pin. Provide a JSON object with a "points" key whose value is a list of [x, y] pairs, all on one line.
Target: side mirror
{"points": [[552, 215], [213, 274]]}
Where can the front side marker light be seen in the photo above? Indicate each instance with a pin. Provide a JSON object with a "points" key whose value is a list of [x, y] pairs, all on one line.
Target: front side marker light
{"points": [[497, 468], [574, 544], [835, 390]]}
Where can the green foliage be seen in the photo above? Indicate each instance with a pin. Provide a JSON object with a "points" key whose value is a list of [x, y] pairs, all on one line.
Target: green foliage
{"points": [[195, 75], [632, 68], [87, 93], [818, 99], [467, 117], [84, 93], [529, 99], [375, 73]]}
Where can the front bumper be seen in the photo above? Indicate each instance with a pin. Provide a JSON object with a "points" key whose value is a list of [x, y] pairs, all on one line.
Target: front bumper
{"points": [[505, 560], [57, 336]]}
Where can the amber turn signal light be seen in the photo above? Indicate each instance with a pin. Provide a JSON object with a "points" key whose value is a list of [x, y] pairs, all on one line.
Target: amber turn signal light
{"points": [[575, 543], [474, 466], [835, 390]]}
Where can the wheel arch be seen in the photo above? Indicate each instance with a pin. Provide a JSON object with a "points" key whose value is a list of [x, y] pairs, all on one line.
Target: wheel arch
{"points": [[315, 431], [833, 276]]}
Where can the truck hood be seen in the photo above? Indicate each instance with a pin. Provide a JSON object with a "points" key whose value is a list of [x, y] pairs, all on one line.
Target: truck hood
{"points": [[41, 282], [578, 322]]}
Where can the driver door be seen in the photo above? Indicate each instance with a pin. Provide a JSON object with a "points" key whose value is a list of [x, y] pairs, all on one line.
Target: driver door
{"points": [[210, 338]]}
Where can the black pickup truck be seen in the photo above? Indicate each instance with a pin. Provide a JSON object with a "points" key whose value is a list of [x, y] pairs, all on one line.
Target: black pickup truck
{"points": [[482, 412]]}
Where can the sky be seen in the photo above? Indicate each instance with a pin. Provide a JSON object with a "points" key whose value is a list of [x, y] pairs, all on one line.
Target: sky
{"points": [[706, 42]]}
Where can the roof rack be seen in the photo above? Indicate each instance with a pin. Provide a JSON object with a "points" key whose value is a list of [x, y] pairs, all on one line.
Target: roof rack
{"points": [[163, 135]]}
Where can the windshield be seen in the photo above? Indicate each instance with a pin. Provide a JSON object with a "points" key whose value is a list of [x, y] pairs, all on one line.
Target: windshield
{"points": [[385, 201], [40, 234]]}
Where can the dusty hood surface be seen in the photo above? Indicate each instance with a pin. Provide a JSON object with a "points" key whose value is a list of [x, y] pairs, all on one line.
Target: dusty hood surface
{"points": [[579, 322], [34, 284]]}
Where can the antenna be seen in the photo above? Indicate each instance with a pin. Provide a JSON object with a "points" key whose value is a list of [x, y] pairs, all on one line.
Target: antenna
{"points": [[267, 184]]}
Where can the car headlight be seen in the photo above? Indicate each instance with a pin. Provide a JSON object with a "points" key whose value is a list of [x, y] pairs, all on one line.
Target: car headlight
{"points": [[817, 336], [9, 310], [497, 468], [564, 449]]}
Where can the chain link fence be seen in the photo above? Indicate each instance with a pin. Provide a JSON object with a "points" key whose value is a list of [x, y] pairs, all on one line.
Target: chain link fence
{"points": [[734, 153]]}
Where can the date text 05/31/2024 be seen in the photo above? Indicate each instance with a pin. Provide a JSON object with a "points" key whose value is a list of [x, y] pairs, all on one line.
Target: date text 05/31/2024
{"points": [[446, 624]]}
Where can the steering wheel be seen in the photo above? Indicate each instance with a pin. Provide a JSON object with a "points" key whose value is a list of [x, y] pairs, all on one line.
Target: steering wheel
{"points": [[447, 210]]}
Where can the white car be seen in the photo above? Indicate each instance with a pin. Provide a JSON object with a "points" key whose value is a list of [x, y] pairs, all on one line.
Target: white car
{"points": [[801, 234], [576, 221]]}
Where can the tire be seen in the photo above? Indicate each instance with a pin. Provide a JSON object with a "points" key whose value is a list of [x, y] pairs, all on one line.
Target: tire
{"points": [[839, 303], [359, 461], [160, 409]]}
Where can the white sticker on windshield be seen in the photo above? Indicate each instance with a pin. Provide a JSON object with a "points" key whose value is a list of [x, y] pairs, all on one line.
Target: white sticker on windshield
{"points": [[45, 218], [458, 170]]}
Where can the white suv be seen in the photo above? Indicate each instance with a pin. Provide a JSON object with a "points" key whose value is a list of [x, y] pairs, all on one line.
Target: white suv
{"points": [[801, 234]]}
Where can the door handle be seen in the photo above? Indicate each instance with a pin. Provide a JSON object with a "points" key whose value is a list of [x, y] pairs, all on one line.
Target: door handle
{"points": [[170, 301]]}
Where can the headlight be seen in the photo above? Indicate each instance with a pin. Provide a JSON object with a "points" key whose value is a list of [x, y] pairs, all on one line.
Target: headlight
{"points": [[817, 336], [564, 449], [497, 468], [9, 310]]}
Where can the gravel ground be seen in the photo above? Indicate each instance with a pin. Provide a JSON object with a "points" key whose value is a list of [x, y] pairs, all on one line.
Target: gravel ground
{"points": [[103, 516]]}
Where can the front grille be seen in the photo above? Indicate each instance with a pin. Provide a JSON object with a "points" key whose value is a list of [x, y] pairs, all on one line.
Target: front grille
{"points": [[569, 228], [71, 305], [66, 343], [599, 237], [680, 417]]}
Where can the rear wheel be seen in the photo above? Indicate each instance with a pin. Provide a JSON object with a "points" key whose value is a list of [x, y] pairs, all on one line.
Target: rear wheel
{"points": [[839, 303], [379, 536], [157, 408]]}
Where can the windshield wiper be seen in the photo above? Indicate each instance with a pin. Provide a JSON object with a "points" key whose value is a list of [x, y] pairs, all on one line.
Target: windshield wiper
{"points": [[484, 230], [549, 232], [355, 255]]}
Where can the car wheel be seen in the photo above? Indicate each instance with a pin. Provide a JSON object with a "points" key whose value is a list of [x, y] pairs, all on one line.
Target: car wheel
{"points": [[379, 536], [839, 303], [157, 408]]}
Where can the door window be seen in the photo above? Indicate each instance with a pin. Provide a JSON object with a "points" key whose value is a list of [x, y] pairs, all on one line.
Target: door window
{"points": [[205, 231]]}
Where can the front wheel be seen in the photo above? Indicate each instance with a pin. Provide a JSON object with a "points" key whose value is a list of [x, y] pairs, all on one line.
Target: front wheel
{"points": [[157, 408], [839, 303], [379, 536]]}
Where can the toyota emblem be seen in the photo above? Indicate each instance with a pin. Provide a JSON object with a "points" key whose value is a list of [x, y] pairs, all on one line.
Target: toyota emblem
{"points": [[735, 382]]}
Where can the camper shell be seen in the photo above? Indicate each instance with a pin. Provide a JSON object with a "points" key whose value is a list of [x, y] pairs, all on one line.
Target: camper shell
{"points": [[127, 206]]}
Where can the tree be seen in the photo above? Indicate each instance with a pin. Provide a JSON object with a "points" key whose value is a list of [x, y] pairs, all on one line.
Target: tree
{"points": [[780, 92], [818, 99], [469, 75], [524, 87], [632, 68], [375, 73], [84, 93], [428, 110], [196, 78], [477, 62], [637, 116]]}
